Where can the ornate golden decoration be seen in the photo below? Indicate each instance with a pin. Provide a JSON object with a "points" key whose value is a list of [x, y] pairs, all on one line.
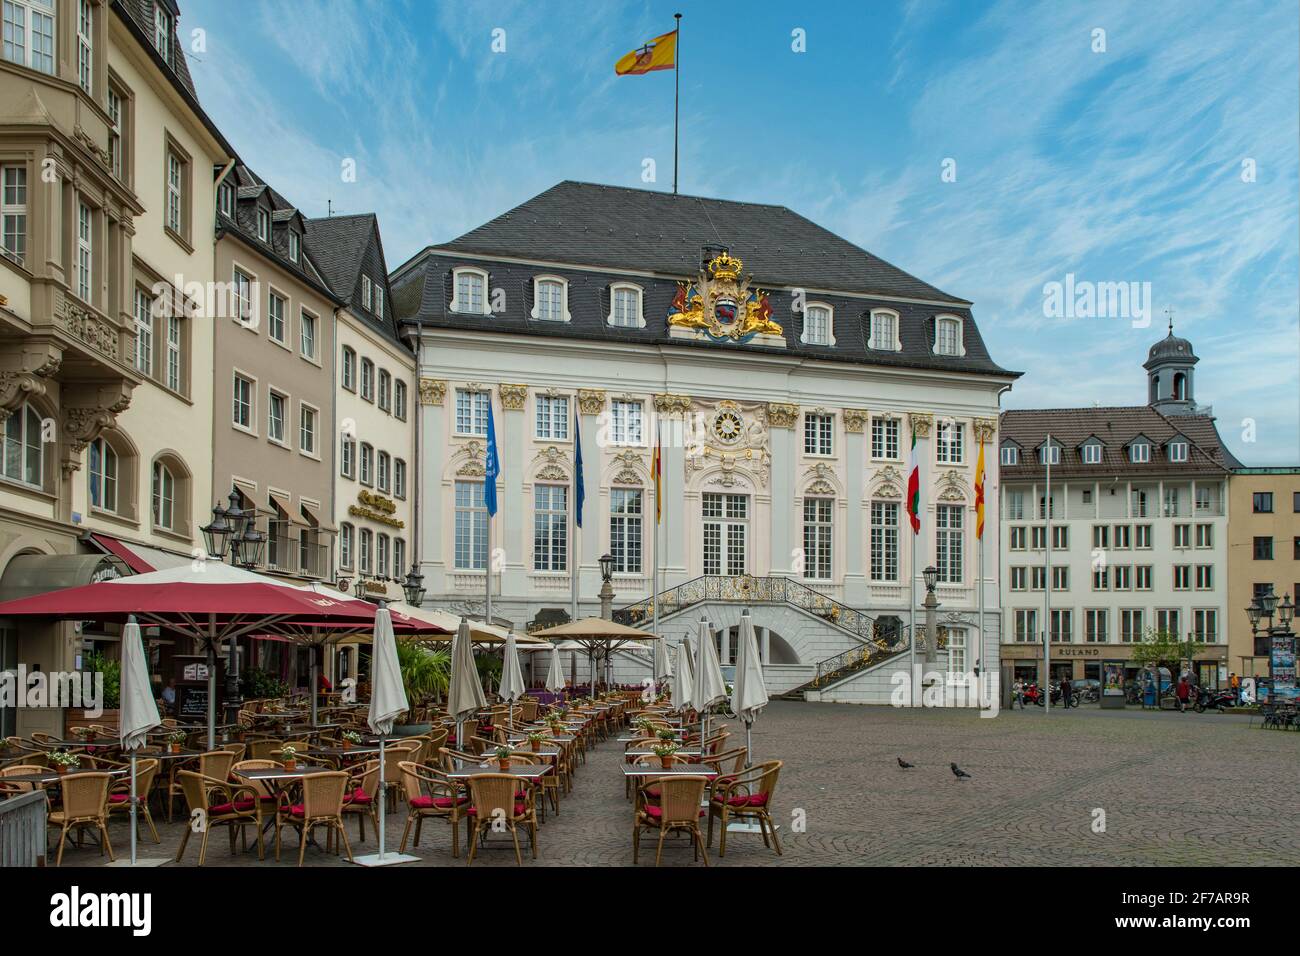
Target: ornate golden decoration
{"points": [[782, 416], [985, 429], [667, 403], [722, 305], [922, 423], [432, 391], [855, 419], [591, 401], [513, 397]]}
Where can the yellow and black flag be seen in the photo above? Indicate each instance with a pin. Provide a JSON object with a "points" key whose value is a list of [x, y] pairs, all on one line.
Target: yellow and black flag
{"points": [[659, 54]]}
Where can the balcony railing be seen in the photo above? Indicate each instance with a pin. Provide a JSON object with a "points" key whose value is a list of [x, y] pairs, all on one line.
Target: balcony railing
{"points": [[286, 551]]}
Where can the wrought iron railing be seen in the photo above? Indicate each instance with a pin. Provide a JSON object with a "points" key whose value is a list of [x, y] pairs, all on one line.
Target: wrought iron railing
{"points": [[747, 589], [886, 642]]}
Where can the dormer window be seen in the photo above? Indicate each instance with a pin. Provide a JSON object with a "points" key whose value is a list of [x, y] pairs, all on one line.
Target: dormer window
{"points": [[1178, 451], [263, 224], [367, 296], [162, 32], [1010, 455], [625, 306], [295, 243], [1049, 455], [947, 336], [1139, 453], [884, 331], [818, 328], [1092, 453], [471, 291], [379, 300], [550, 299]]}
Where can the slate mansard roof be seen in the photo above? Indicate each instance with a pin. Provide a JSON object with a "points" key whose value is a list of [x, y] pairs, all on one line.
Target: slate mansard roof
{"points": [[593, 235], [346, 247], [1116, 429]]}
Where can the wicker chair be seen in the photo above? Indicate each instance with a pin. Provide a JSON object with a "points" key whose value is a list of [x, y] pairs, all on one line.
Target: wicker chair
{"points": [[431, 793], [265, 805], [745, 795], [361, 796], [493, 798], [215, 764], [85, 805], [468, 730], [119, 794], [19, 769], [677, 808], [322, 806], [394, 754], [212, 803]]}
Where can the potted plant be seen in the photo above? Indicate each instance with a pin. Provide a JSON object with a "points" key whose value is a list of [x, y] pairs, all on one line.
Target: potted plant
{"points": [[664, 734], [665, 752], [426, 674], [289, 756], [503, 758], [175, 740], [535, 740], [64, 760], [643, 724], [350, 737]]}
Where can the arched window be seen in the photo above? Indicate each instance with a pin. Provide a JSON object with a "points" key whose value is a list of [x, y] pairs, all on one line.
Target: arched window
{"points": [[164, 497], [947, 336], [818, 324], [103, 474], [625, 306], [884, 331], [1180, 386], [469, 291], [550, 299], [24, 453]]}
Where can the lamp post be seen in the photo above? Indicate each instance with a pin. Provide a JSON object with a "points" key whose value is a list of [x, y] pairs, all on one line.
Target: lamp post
{"points": [[931, 606], [1274, 637], [606, 589], [413, 586]]}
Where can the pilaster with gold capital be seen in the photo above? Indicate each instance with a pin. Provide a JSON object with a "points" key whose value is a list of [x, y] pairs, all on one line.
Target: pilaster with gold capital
{"points": [[855, 420], [591, 401], [432, 391], [780, 415], [921, 423], [513, 397], [985, 429]]}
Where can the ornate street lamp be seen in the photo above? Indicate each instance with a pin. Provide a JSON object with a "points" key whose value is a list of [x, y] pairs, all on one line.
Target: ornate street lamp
{"points": [[217, 534], [1286, 610], [413, 586], [1268, 601], [931, 605], [606, 589], [251, 543], [1254, 612], [931, 577], [606, 567]]}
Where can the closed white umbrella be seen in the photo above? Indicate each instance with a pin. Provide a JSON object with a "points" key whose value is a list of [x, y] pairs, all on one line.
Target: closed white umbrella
{"points": [[512, 678], [465, 693], [663, 663], [387, 702], [684, 674], [555, 676], [749, 694], [139, 711], [710, 687]]}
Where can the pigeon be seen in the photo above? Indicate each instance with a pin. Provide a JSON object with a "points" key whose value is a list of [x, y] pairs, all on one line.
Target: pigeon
{"points": [[960, 773], [904, 764]]}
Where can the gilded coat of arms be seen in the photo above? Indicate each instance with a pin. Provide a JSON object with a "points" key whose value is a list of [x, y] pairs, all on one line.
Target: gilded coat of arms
{"points": [[722, 305]]}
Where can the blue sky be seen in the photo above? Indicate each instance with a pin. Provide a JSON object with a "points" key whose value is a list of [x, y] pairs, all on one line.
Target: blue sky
{"points": [[1123, 165]]}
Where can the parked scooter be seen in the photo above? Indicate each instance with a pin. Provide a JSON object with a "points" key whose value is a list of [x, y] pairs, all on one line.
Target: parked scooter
{"points": [[1220, 700]]}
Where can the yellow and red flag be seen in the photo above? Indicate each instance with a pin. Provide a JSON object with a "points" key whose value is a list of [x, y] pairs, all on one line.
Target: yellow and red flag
{"points": [[659, 54], [979, 493], [655, 469]]}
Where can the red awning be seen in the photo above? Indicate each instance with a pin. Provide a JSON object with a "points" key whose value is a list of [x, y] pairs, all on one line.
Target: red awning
{"points": [[119, 550]]}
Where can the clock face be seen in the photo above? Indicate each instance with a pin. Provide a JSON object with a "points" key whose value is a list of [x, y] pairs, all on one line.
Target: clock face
{"points": [[727, 426]]}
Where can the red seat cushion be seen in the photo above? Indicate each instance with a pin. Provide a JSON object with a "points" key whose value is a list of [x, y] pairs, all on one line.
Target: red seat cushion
{"points": [[519, 809], [118, 797], [358, 796], [221, 809], [652, 792], [656, 813], [441, 803], [745, 800]]}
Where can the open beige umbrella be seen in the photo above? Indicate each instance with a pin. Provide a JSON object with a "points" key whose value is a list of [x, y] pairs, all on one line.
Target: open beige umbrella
{"points": [[465, 693], [593, 633], [749, 693]]}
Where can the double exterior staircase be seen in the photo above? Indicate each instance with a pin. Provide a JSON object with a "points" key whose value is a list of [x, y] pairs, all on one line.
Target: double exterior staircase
{"points": [[747, 589]]}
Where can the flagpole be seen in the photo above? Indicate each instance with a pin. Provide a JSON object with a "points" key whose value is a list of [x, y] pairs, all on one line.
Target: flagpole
{"points": [[1046, 688], [677, 88], [487, 570], [576, 519], [654, 567]]}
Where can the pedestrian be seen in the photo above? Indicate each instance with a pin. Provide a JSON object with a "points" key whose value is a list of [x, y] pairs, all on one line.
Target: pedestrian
{"points": [[1234, 684], [1065, 692], [1019, 694], [1184, 691]]}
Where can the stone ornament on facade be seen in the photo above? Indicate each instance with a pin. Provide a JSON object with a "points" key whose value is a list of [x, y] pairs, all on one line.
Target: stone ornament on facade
{"points": [[984, 429], [84, 326], [887, 483], [513, 397], [819, 481], [922, 423], [782, 416], [952, 487], [631, 467], [432, 391], [732, 434], [554, 465], [29, 381], [474, 465], [82, 424], [668, 404], [591, 401], [855, 420]]}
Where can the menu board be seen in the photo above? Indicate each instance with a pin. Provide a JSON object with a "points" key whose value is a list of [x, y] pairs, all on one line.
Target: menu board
{"points": [[193, 703]]}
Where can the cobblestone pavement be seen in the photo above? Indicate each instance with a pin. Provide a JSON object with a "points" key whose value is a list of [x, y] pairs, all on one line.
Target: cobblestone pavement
{"points": [[1191, 789]]}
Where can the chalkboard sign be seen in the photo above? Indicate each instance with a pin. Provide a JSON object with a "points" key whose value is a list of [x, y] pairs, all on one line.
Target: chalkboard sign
{"points": [[193, 702]]}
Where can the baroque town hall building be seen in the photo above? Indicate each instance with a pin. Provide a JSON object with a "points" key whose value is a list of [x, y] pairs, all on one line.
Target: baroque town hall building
{"points": [[784, 370]]}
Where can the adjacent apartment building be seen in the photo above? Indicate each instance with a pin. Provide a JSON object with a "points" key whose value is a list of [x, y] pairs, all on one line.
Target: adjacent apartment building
{"points": [[106, 197], [1132, 536]]}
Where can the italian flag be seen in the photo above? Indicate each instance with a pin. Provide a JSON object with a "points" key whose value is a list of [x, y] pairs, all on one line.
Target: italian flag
{"points": [[914, 489]]}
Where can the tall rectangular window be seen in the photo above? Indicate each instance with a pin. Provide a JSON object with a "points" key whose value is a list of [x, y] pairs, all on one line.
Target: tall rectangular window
{"points": [[162, 32], [399, 400], [818, 431], [367, 380], [471, 412], [1130, 625], [884, 439], [347, 456], [626, 308], [175, 193], [85, 251], [1205, 625], [550, 301], [85, 45], [625, 529], [948, 443], [470, 288], [948, 542], [242, 405], [884, 541], [817, 325], [307, 430], [883, 331], [553, 417], [399, 478], [625, 421], [1026, 625], [275, 305], [174, 376], [818, 518], [726, 532], [550, 527], [471, 527], [385, 471], [385, 391], [1167, 621], [367, 297], [241, 297], [345, 546], [143, 332], [275, 417], [29, 33], [1095, 621], [13, 212], [1062, 625], [308, 334]]}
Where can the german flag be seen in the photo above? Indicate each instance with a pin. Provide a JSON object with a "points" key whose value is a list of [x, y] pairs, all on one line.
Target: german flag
{"points": [[659, 54]]}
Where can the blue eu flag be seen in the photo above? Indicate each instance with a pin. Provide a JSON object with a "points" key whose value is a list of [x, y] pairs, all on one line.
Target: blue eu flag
{"points": [[580, 489], [493, 464]]}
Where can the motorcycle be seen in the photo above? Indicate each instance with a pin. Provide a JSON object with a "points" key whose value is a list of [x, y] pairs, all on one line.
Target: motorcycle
{"points": [[1219, 700], [1035, 696]]}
